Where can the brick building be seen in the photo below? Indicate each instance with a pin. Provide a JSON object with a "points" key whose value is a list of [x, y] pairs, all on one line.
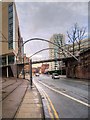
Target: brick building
{"points": [[44, 68]]}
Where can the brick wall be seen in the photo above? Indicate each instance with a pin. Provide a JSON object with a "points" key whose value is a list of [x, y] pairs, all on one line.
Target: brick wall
{"points": [[79, 69]]}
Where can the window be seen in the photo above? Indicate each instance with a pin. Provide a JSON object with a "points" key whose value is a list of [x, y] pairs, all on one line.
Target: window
{"points": [[10, 59], [10, 8], [10, 26], [3, 60], [10, 20], [10, 15]]}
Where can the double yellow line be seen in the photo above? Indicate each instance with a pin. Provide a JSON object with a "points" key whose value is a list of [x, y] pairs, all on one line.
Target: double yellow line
{"points": [[50, 106], [51, 109]]}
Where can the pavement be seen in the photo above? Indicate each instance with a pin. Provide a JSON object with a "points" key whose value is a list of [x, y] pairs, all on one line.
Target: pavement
{"points": [[22, 101], [31, 106]]}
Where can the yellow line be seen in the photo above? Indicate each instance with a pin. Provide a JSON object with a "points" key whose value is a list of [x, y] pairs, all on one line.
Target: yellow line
{"points": [[47, 103], [55, 113], [52, 106], [49, 109]]}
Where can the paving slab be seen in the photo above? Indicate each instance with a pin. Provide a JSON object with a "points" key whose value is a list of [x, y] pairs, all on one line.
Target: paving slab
{"points": [[31, 106], [23, 102], [11, 103]]}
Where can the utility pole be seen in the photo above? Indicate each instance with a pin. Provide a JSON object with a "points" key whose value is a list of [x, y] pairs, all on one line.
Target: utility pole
{"points": [[31, 73]]}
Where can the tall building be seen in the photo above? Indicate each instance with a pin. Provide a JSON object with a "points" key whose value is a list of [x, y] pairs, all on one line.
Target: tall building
{"points": [[12, 50], [56, 52]]}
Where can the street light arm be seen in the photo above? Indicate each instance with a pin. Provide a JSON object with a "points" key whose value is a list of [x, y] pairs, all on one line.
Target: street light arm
{"points": [[41, 39], [42, 50]]}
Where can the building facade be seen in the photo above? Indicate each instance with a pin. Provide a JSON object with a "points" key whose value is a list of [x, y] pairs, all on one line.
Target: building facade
{"points": [[27, 66], [55, 52], [44, 68], [12, 50], [84, 44]]}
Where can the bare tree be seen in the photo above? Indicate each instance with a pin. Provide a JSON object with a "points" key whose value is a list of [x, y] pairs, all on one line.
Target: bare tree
{"points": [[81, 34], [59, 42], [72, 35], [76, 35]]}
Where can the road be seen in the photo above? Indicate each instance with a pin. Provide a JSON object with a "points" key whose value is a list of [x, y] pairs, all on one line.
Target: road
{"points": [[63, 98]]}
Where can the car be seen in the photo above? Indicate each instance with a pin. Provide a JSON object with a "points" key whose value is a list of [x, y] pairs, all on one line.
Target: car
{"points": [[37, 74], [55, 76]]}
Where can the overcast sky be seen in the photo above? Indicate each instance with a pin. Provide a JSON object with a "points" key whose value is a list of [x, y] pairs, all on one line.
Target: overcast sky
{"points": [[43, 19]]}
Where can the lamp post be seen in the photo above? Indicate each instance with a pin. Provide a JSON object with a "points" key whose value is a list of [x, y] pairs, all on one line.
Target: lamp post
{"points": [[31, 73], [40, 39], [17, 64], [23, 69], [61, 67]]}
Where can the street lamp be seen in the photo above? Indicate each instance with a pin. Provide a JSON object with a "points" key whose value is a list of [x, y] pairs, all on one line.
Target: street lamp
{"points": [[40, 39], [23, 68], [17, 64], [31, 72]]}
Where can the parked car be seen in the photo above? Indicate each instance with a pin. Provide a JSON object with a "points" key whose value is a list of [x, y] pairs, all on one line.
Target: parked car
{"points": [[37, 74], [55, 76]]}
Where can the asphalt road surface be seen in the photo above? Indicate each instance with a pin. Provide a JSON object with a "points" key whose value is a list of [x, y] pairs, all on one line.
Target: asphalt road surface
{"points": [[63, 98]]}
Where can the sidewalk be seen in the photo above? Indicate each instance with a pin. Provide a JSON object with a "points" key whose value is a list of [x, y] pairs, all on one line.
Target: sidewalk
{"points": [[23, 102], [31, 106]]}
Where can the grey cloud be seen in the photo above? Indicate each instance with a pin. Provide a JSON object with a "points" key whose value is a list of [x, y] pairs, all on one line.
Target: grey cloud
{"points": [[42, 19], [45, 15]]}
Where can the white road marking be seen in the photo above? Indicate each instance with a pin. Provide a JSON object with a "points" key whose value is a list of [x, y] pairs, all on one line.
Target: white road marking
{"points": [[48, 103], [79, 101]]}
